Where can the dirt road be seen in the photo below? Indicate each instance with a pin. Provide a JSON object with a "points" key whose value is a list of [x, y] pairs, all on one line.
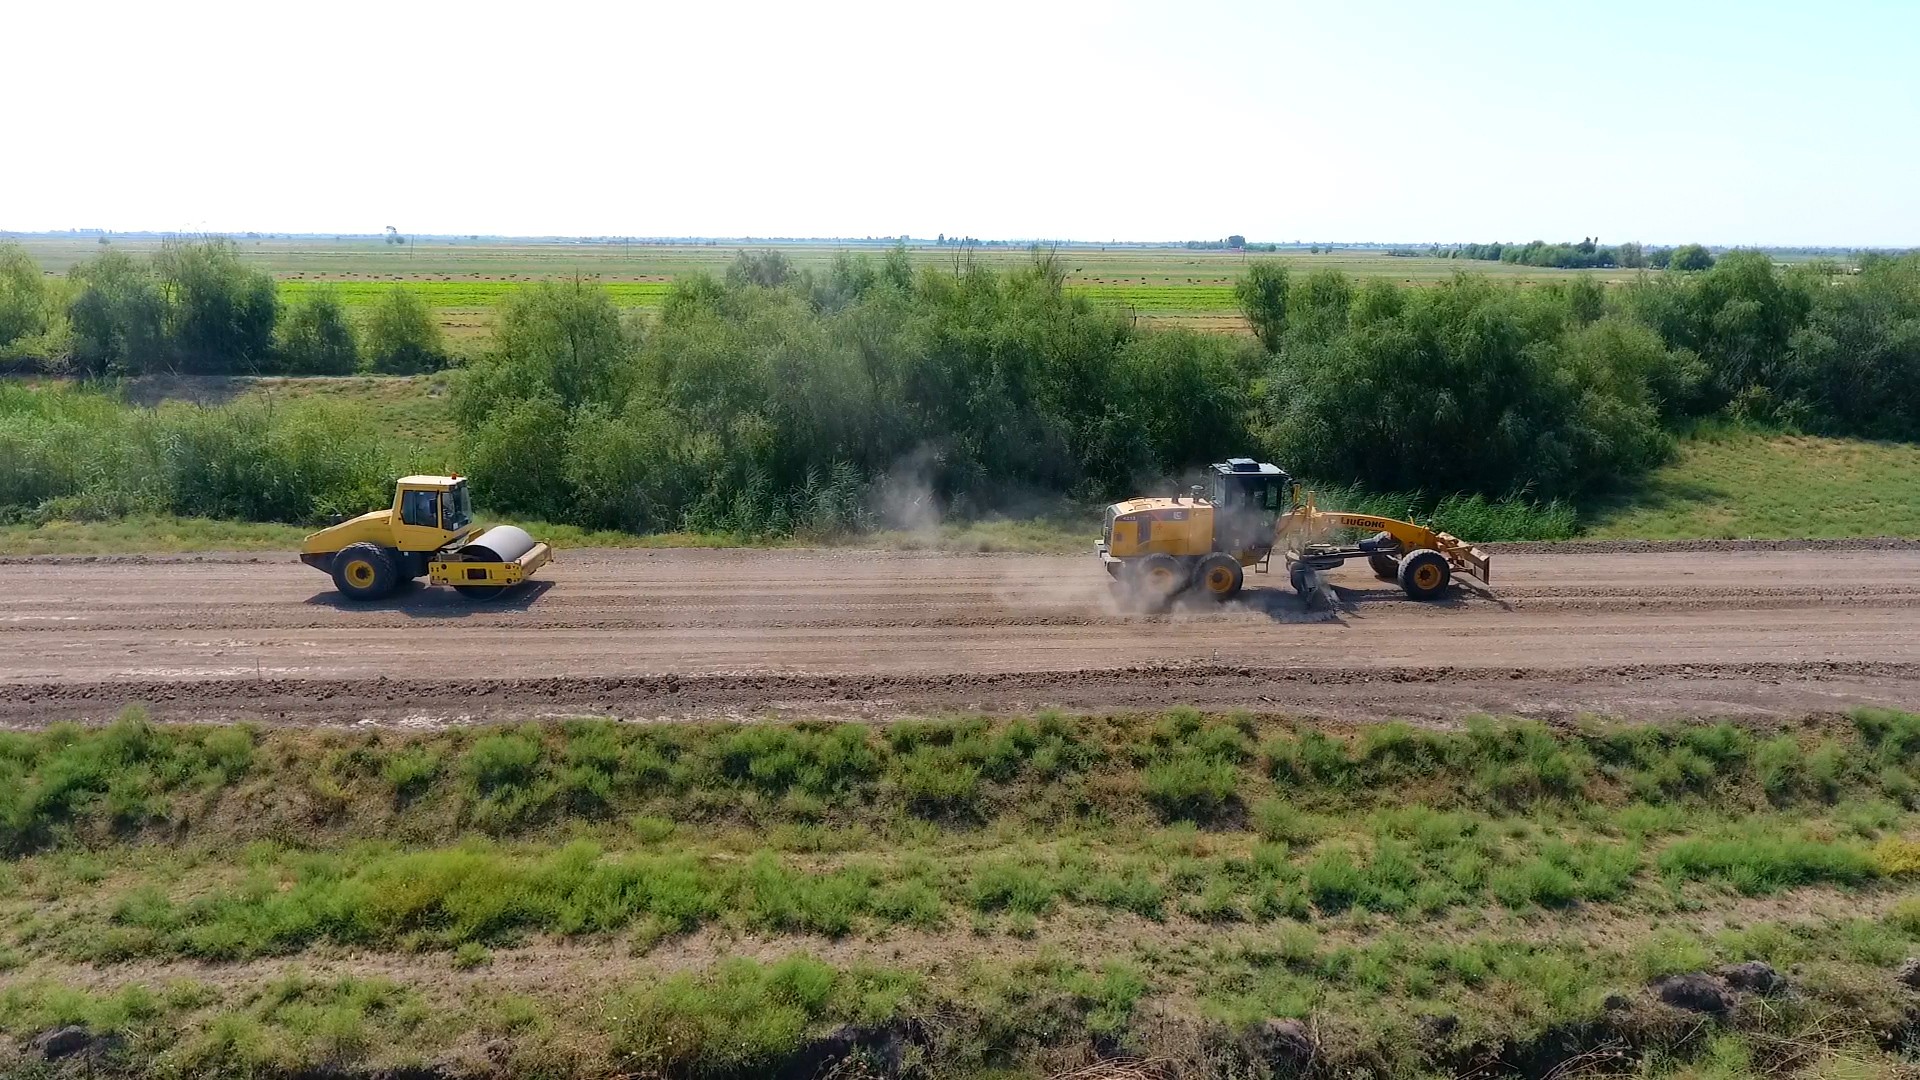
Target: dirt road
{"points": [[704, 633]]}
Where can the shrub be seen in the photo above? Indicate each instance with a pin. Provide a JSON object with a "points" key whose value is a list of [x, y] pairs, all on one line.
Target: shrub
{"points": [[1131, 889], [1532, 401], [935, 784], [1190, 785], [411, 772], [220, 315], [498, 761], [1262, 293], [401, 337], [317, 339], [1109, 997], [1758, 862], [1008, 885], [1280, 821], [1905, 916], [24, 303], [1897, 857], [1335, 881], [1537, 881], [739, 1019], [117, 314]]}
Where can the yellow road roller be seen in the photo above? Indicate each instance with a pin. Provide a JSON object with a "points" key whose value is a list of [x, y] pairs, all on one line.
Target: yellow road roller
{"points": [[429, 533]]}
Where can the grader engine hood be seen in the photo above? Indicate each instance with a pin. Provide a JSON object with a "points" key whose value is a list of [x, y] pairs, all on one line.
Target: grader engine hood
{"points": [[1180, 527]]}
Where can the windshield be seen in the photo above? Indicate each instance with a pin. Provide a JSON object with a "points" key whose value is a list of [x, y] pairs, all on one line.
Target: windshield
{"points": [[458, 512]]}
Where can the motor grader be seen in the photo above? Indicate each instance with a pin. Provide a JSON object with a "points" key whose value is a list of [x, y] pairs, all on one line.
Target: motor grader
{"points": [[427, 532], [1161, 548]]}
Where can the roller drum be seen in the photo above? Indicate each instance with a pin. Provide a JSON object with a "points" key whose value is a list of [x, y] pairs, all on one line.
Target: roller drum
{"points": [[502, 543]]}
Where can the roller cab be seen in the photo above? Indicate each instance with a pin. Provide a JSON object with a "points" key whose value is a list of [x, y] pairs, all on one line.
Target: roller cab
{"points": [[429, 533]]}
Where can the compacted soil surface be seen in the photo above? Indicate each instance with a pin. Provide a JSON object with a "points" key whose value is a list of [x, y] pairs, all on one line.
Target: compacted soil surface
{"points": [[1646, 630]]}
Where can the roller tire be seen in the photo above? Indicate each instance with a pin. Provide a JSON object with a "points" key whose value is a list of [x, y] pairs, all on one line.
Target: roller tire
{"points": [[1219, 576], [481, 594], [1424, 574], [1160, 577], [365, 572]]}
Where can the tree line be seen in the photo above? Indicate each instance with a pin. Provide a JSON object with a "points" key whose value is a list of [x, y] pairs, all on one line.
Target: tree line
{"points": [[775, 398], [769, 396], [1572, 389], [195, 307], [1588, 254]]}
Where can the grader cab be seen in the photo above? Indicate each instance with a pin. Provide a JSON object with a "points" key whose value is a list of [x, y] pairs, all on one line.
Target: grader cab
{"points": [[1160, 548]]}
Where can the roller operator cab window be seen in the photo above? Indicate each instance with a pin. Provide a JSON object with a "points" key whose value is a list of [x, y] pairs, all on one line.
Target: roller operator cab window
{"points": [[420, 508], [459, 513]]}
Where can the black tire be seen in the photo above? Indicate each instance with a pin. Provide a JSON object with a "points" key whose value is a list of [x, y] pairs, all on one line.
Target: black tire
{"points": [[480, 594], [1424, 574], [364, 572], [1219, 576], [1385, 567], [1160, 577]]}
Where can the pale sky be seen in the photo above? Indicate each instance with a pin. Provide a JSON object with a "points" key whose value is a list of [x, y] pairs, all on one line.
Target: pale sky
{"points": [[1664, 121]]}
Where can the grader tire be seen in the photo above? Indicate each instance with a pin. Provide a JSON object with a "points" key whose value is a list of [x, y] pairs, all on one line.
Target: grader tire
{"points": [[1424, 574], [364, 572], [1160, 577], [1384, 566], [1219, 576]]}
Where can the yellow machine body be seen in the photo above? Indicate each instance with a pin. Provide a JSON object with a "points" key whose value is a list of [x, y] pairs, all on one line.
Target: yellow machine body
{"points": [[428, 513], [428, 532], [1161, 547], [1306, 525], [502, 574], [1178, 527]]}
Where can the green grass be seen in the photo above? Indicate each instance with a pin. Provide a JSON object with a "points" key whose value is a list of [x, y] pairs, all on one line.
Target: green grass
{"points": [[147, 533], [592, 898], [1730, 483], [720, 898]]}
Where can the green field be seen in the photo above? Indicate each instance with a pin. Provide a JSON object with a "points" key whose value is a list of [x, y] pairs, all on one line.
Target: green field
{"points": [[461, 281], [990, 898], [615, 261], [460, 294]]}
